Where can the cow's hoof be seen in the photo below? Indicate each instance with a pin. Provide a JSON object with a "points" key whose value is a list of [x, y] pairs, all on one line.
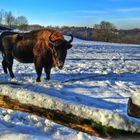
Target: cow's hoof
{"points": [[38, 80], [46, 79], [12, 76]]}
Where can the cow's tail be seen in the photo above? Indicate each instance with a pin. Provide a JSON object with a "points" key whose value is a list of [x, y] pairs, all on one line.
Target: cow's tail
{"points": [[1, 46], [0, 43]]}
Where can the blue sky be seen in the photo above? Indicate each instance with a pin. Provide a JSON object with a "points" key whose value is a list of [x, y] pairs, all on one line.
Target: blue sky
{"points": [[122, 13]]}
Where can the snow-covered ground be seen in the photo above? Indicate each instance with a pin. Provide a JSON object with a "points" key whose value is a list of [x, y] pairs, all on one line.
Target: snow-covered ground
{"points": [[136, 98], [96, 83], [22, 126]]}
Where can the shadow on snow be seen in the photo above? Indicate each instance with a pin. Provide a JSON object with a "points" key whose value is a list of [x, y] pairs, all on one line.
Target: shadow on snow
{"points": [[63, 89]]}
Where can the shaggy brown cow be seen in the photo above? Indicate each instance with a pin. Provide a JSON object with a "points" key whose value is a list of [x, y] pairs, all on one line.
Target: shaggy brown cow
{"points": [[46, 48]]}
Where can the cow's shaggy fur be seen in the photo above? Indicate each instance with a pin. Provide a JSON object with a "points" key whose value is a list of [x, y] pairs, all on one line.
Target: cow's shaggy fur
{"points": [[45, 48]]}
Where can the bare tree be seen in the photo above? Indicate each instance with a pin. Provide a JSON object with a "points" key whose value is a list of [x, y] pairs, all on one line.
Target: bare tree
{"points": [[22, 22], [9, 18], [2, 13], [104, 31]]}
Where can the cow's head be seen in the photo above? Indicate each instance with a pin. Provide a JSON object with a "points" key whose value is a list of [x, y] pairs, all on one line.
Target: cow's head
{"points": [[60, 48]]}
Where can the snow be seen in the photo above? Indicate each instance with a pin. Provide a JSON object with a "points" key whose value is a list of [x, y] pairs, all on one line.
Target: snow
{"points": [[22, 126], [96, 83], [136, 98]]}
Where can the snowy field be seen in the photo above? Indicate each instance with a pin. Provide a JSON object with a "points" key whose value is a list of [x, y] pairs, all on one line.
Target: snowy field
{"points": [[96, 82]]}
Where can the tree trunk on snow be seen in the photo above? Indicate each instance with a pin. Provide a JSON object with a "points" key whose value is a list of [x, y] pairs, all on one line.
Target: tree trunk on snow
{"points": [[68, 120], [57, 116], [133, 110]]}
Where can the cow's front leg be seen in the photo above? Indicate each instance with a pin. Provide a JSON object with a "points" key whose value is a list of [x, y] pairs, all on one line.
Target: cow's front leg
{"points": [[47, 71], [38, 68], [39, 72]]}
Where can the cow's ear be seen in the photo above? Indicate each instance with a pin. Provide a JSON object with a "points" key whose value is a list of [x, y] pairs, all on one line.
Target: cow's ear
{"points": [[19, 37]]}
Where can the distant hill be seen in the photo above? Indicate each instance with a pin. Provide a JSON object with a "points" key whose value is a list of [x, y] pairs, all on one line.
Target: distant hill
{"points": [[130, 31]]}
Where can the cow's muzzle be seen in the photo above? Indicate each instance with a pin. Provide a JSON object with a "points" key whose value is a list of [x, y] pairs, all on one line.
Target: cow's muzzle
{"points": [[60, 65]]}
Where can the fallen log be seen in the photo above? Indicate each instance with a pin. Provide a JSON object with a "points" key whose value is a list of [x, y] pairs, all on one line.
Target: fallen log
{"points": [[68, 120], [57, 116]]}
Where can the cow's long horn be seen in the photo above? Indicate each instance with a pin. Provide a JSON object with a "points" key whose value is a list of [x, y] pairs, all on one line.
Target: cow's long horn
{"points": [[50, 41], [71, 39]]}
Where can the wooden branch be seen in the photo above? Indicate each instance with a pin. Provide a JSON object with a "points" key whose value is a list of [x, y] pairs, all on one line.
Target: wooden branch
{"points": [[68, 120]]}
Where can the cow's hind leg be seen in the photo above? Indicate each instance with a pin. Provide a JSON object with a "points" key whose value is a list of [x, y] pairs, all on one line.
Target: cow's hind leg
{"points": [[9, 63], [38, 68], [4, 65], [10, 70]]}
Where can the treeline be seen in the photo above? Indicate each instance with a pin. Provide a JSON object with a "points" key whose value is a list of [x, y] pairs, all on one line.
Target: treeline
{"points": [[104, 31], [85, 33]]}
